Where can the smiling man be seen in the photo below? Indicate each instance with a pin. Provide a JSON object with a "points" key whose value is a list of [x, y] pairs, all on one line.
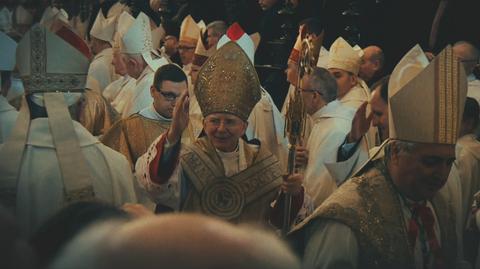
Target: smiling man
{"points": [[133, 135], [221, 173], [392, 214]]}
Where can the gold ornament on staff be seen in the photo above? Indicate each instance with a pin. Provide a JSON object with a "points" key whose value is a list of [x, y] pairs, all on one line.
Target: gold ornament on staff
{"points": [[295, 121]]}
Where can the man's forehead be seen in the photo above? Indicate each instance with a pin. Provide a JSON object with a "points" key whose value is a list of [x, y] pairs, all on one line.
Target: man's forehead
{"points": [[221, 115]]}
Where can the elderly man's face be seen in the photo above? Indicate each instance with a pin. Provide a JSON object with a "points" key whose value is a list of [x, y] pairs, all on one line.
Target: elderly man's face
{"points": [[118, 63], [421, 173], [224, 130], [369, 66], [186, 51], [212, 38]]}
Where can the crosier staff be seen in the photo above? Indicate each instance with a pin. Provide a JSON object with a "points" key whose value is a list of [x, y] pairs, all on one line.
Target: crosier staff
{"points": [[295, 122]]}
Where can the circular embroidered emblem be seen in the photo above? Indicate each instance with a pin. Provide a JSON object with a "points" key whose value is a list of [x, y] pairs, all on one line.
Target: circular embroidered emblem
{"points": [[223, 198]]}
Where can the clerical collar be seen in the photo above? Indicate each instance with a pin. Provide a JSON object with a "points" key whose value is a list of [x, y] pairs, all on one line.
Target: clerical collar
{"points": [[150, 113], [227, 154]]}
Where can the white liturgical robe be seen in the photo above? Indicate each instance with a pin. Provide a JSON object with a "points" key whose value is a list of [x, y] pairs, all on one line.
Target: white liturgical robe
{"points": [[330, 126], [113, 89], [8, 116], [101, 71], [40, 192], [140, 96], [124, 95]]}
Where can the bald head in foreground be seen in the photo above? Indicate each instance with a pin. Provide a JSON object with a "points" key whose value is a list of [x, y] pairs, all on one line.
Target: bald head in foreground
{"points": [[176, 241]]}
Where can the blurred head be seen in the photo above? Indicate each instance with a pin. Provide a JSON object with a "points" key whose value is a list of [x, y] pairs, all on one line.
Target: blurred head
{"points": [[313, 28], [267, 4], [194, 73], [118, 63], [170, 240], [372, 62], [186, 51], [170, 43], [98, 45], [470, 117], [135, 64], [169, 83], [215, 30], [15, 253], [379, 106], [345, 81], [318, 89], [419, 170], [224, 130], [62, 227], [468, 54]]}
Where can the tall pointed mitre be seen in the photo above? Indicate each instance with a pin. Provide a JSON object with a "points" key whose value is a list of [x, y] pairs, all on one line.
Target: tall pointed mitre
{"points": [[201, 53], [189, 31], [49, 67], [8, 46], [103, 28], [136, 38], [158, 33], [228, 83], [248, 43], [22, 16], [323, 56], [344, 57], [428, 107], [51, 14]]}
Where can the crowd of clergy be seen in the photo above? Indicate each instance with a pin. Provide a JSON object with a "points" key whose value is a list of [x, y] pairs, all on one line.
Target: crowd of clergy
{"points": [[126, 146]]}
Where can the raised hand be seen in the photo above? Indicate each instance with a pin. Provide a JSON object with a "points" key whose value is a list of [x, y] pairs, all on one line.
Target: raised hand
{"points": [[180, 118], [360, 124]]}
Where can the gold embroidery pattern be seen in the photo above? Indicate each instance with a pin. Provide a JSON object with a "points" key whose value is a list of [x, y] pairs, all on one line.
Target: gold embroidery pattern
{"points": [[41, 81], [223, 198], [440, 91]]}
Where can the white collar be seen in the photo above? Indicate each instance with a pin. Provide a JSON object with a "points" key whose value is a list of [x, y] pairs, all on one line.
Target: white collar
{"points": [[150, 113]]}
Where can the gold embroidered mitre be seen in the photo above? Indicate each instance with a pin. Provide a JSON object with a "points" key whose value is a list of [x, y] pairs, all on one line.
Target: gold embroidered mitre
{"points": [[228, 83], [344, 57], [429, 107]]}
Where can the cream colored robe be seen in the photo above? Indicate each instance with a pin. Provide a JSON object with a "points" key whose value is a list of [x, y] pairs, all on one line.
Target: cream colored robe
{"points": [[113, 89], [40, 186], [140, 96], [101, 71], [124, 95], [267, 125], [331, 124], [8, 117], [467, 152], [474, 92]]}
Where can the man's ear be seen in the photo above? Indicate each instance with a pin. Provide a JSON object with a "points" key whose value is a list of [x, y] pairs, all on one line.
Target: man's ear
{"points": [[353, 80], [152, 90]]}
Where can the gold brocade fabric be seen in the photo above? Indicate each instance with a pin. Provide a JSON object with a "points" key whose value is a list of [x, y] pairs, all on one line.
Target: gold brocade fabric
{"points": [[370, 206], [132, 136], [95, 113], [228, 83], [243, 197]]}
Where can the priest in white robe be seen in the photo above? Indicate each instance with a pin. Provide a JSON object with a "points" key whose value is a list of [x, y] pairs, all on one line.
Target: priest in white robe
{"points": [[141, 60], [51, 160], [101, 71]]}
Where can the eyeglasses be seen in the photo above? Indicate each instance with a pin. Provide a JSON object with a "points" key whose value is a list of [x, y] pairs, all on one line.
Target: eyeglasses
{"points": [[310, 91], [169, 96]]}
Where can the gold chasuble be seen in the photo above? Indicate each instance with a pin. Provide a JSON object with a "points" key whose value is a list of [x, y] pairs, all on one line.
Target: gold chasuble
{"points": [[132, 136], [371, 207], [243, 197], [96, 114]]}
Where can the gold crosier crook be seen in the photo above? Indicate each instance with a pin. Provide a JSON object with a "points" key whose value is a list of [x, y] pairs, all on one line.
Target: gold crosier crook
{"points": [[295, 121]]}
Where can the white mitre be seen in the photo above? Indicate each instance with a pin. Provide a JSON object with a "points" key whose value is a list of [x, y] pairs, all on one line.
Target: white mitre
{"points": [[51, 14], [103, 28], [343, 56]]}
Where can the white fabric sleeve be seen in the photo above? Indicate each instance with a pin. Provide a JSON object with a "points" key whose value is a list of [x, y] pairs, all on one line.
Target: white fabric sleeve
{"points": [[330, 245]]}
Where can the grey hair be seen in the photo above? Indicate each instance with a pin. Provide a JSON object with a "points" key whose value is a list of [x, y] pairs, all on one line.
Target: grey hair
{"points": [[403, 147], [218, 27], [474, 53], [324, 83]]}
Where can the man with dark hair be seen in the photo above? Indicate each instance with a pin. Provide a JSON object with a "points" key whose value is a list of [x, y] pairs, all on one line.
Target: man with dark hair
{"points": [[133, 135]]}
